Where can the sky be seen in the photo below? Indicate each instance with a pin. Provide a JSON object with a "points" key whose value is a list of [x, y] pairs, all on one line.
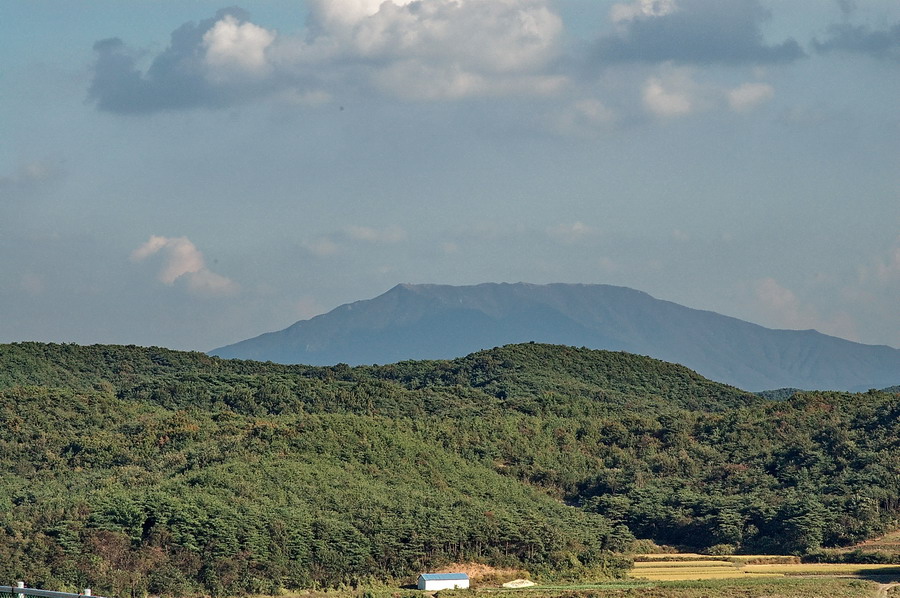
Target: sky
{"points": [[189, 173]]}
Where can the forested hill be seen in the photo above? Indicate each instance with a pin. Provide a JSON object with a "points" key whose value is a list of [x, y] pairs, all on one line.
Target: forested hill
{"points": [[134, 470], [558, 379], [531, 377]]}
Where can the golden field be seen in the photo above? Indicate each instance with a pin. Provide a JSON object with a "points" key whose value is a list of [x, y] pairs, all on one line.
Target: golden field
{"points": [[670, 567]]}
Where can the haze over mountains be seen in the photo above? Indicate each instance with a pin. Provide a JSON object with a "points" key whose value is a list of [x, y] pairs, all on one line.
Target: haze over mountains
{"points": [[442, 321]]}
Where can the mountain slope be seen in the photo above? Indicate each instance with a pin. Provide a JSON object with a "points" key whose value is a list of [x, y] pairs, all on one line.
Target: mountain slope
{"points": [[441, 321]]}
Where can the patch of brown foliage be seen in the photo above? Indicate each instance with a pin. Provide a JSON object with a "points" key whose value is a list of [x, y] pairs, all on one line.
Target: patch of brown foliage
{"points": [[481, 573]]}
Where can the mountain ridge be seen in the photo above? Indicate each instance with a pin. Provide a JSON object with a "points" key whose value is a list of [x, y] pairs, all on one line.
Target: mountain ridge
{"points": [[432, 321]]}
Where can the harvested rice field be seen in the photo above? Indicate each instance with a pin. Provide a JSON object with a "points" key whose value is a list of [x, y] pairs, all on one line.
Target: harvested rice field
{"points": [[672, 568]]}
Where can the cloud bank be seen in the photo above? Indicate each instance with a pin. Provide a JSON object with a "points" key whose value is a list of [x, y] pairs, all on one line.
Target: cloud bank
{"points": [[431, 50], [448, 50]]}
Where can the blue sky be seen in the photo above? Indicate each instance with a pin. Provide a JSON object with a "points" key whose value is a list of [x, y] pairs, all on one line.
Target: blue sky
{"points": [[189, 174]]}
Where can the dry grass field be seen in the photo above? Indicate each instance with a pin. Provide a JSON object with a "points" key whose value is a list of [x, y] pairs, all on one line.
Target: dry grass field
{"points": [[887, 543], [670, 567], [671, 570], [827, 569]]}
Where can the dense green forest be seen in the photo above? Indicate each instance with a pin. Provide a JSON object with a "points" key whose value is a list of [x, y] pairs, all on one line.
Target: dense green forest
{"points": [[144, 470]]}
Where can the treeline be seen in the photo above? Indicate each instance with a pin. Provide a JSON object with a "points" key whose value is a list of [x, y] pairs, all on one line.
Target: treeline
{"points": [[141, 471]]}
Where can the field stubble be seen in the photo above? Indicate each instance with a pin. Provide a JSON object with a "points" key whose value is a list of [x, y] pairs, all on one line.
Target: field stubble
{"points": [[698, 567]]}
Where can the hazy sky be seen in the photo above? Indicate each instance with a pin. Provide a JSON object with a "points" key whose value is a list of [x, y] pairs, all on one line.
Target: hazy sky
{"points": [[189, 174]]}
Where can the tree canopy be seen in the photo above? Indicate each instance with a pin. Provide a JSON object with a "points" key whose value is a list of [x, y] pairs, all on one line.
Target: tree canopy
{"points": [[144, 470]]}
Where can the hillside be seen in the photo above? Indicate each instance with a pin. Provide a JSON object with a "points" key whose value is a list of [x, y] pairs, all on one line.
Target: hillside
{"points": [[108, 493], [538, 378], [136, 470], [441, 322], [512, 378]]}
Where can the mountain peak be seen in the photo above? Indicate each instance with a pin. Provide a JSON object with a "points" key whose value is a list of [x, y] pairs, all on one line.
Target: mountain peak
{"points": [[435, 321]]}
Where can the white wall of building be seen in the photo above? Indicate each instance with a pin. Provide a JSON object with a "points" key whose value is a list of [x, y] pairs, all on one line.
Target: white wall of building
{"points": [[434, 585]]}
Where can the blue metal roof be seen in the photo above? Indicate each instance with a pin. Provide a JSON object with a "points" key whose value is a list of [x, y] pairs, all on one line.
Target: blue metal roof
{"points": [[436, 576]]}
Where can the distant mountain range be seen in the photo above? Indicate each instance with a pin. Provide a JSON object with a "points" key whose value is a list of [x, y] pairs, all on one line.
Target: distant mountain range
{"points": [[442, 321]]}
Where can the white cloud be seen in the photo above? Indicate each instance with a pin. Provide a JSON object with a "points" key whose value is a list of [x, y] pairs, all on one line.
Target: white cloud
{"points": [[607, 264], [182, 257], [584, 118], [322, 247], [571, 233], [183, 261], [749, 95], [296, 97], [347, 12], [883, 270], [391, 234], [827, 300], [641, 8], [418, 80], [447, 49], [888, 269], [206, 282], [782, 308], [779, 299], [593, 111], [674, 92], [306, 307], [499, 36], [875, 291], [235, 47], [337, 242], [667, 98], [37, 171], [31, 174], [680, 236]]}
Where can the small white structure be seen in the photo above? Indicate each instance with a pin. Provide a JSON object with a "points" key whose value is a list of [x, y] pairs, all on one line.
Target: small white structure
{"points": [[443, 581], [519, 583]]}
